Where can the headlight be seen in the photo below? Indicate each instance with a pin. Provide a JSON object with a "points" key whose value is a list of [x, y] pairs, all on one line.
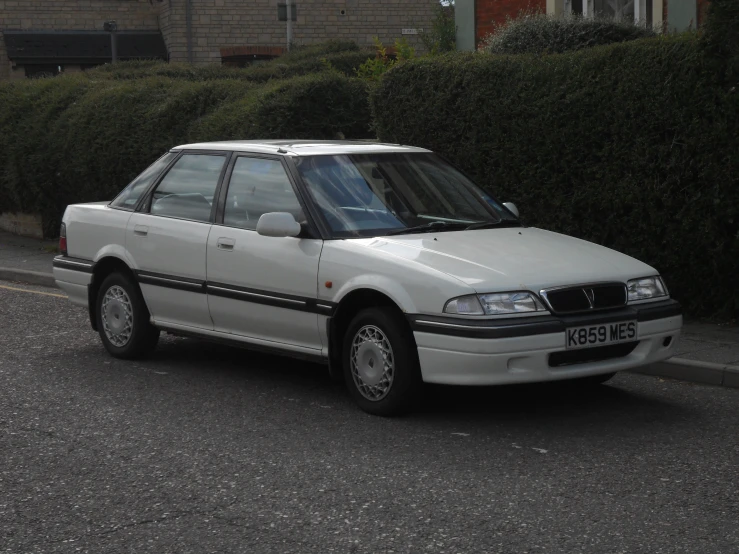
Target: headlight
{"points": [[645, 288], [495, 304], [466, 305]]}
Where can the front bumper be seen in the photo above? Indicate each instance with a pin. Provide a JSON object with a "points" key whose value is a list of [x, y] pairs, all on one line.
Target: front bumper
{"points": [[453, 352]]}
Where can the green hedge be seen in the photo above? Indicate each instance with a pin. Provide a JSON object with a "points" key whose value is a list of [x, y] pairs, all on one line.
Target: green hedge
{"points": [[633, 146], [279, 68], [343, 56], [76, 139]]}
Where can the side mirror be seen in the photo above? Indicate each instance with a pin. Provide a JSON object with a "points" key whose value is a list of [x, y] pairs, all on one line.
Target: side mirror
{"points": [[511, 208], [278, 224]]}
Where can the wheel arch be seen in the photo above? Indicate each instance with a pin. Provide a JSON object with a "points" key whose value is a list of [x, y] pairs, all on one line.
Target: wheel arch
{"points": [[350, 305], [102, 268]]}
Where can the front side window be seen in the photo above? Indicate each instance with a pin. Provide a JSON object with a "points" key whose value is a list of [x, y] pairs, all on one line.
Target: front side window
{"points": [[258, 186], [129, 197], [376, 194], [188, 189]]}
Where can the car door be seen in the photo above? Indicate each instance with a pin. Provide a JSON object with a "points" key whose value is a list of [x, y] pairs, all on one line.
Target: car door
{"points": [[263, 288], [167, 239]]}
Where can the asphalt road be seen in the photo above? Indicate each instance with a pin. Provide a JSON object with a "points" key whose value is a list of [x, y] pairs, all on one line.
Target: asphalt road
{"points": [[205, 449]]}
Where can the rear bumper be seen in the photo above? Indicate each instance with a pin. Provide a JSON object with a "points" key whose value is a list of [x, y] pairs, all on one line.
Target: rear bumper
{"points": [[520, 352], [73, 276]]}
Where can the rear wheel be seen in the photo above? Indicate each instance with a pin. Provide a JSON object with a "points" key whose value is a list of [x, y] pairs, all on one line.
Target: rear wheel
{"points": [[380, 359], [123, 319]]}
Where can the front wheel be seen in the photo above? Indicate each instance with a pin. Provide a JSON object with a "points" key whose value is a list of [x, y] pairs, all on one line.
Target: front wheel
{"points": [[380, 359], [123, 319]]}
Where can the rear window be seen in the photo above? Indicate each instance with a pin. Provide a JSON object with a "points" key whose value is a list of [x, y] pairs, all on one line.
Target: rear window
{"points": [[129, 197]]}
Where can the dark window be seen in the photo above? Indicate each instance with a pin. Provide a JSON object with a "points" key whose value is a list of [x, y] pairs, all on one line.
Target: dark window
{"points": [[188, 189], [259, 186], [129, 197]]}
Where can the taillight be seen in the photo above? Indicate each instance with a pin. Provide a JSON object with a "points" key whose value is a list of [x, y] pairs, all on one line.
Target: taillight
{"points": [[63, 240]]}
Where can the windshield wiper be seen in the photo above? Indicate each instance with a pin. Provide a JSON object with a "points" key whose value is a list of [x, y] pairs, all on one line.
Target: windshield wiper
{"points": [[491, 224], [428, 228]]}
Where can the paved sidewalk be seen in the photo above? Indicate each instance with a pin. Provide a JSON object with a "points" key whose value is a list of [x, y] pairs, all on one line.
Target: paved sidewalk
{"points": [[26, 260], [707, 352]]}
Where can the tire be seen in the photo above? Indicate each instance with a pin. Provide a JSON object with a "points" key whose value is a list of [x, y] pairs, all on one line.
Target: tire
{"points": [[592, 380], [378, 334], [117, 295]]}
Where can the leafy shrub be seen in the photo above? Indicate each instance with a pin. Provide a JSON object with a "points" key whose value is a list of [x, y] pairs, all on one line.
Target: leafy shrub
{"points": [[536, 33], [633, 146], [74, 139], [373, 68], [443, 34]]}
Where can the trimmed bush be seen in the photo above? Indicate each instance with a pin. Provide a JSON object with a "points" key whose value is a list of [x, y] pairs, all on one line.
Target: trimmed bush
{"points": [[318, 106], [540, 33], [300, 52], [73, 139], [279, 68], [633, 146]]}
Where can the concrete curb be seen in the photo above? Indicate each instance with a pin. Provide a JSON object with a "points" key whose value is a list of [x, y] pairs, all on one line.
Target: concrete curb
{"points": [[705, 373], [26, 276]]}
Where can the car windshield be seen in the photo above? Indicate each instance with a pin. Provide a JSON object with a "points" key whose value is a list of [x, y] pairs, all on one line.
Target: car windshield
{"points": [[362, 195]]}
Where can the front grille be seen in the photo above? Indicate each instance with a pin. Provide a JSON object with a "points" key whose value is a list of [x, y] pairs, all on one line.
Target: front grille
{"points": [[583, 298], [596, 354]]}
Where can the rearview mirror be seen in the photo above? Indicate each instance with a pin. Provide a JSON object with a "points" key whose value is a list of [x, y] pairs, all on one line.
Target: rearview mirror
{"points": [[511, 208], [278, 224]]}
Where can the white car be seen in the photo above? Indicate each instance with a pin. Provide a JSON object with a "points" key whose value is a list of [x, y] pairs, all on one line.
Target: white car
{"points": [[381, 261]]}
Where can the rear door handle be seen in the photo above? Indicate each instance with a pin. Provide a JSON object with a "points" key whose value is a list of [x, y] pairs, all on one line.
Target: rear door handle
{"points": [[141, 230], [225, 244]]}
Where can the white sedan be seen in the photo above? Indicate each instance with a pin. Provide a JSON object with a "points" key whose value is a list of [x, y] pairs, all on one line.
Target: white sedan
{"points": [[382, 261]]}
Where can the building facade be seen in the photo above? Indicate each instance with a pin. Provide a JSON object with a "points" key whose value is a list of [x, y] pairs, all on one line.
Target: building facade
{"points": [[478, 18], [40, 37]]}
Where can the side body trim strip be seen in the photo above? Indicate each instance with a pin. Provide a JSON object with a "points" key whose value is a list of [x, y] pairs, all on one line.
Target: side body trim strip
{"points": [[243, 294], [74, 264]]}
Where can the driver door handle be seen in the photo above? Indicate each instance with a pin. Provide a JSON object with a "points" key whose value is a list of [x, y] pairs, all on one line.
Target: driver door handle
{"points": [[225, 244], [141, 230]]}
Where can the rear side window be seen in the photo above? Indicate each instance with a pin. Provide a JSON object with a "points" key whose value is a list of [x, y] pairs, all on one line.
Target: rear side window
{"points": [[259, 186], [129, 197], [188, 189]]}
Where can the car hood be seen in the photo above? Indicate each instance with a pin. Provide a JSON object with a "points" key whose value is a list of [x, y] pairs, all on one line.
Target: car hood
{"points": [[517, 258]]}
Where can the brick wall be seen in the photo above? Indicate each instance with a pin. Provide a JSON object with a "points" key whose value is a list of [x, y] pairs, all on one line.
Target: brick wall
{"points": [[223, 24], [71, 15], [490, 12]]}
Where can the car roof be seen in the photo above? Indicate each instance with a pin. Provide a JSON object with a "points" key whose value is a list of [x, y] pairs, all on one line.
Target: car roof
{"points": [[303, 147]]}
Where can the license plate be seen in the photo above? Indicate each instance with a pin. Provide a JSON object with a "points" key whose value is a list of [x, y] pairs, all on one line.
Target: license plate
{"points": [[600, 335]]}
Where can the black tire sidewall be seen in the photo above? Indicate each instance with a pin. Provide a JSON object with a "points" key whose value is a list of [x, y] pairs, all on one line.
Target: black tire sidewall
{"points": [[144, 335], [406, 387]]}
